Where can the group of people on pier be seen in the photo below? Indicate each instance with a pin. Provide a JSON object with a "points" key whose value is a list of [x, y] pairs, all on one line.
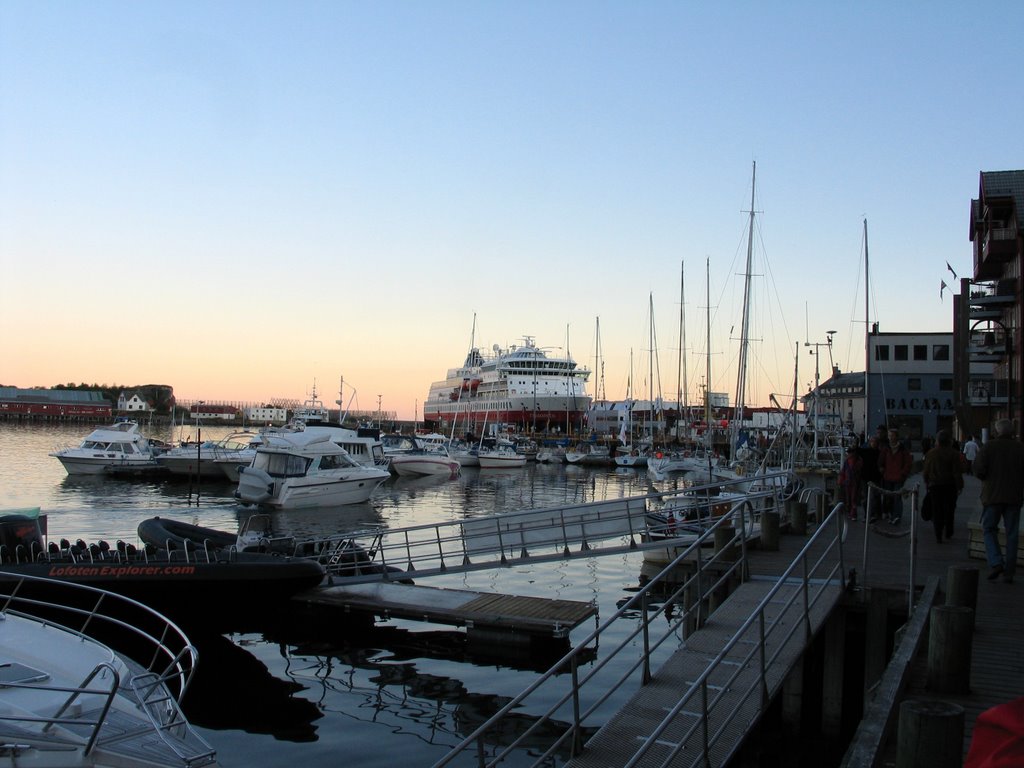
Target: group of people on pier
{"points": [[884, 460]]}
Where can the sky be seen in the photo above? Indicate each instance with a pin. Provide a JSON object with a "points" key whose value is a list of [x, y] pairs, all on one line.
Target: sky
{"points": [[246, 199]]}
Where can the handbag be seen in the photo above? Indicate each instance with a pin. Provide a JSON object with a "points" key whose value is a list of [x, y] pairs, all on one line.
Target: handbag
{"points": [[926, 506]]}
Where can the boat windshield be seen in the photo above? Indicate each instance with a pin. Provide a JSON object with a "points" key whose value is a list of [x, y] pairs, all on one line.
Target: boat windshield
{"points": [[336, 461], [281, 464]]}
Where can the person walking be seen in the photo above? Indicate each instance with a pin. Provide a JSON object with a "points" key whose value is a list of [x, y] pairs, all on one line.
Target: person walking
{"points": [[895, 463], [970, 453], [943, 478], [870, 473], [1000, 467], [849, 481]]}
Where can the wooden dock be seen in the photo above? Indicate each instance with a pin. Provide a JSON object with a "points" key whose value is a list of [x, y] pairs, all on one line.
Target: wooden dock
{"points": [[510, 615], [997, 668]]}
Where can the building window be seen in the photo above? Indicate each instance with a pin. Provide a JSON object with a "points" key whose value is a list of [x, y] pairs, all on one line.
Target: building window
{"points": [[882, 352], [914, 384], [940, 352], [920, 351], [899, 352], [945, 385]]}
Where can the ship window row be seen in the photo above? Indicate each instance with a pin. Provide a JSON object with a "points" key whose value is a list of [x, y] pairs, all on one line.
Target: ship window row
{"points": [[903, 351]]}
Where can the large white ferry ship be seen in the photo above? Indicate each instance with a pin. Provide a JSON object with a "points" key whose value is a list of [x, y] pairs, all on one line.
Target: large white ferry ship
{"points": [[519, 387]]}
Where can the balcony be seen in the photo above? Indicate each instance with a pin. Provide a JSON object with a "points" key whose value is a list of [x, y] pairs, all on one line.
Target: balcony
{"points": [[996, 293], [994, 246], [987, 392]]}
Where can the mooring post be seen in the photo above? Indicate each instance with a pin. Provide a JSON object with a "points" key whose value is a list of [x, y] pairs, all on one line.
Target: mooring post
{"points": [[876, 634], [799, 521], [770, 530], [832, 674], [962, 587], [930, 734], [950, 638]]}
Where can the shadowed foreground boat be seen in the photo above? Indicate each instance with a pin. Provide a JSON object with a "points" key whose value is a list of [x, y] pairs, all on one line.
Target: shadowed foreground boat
{"points": [[72, 697], [192, 585]]}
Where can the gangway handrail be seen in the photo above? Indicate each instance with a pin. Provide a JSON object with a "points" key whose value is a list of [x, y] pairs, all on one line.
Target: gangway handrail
{"points": [[691, 610], [877, 492], [543, 534]]}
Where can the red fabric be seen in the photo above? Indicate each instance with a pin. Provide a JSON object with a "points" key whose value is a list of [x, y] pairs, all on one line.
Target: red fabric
{"points": [[998, 738]]}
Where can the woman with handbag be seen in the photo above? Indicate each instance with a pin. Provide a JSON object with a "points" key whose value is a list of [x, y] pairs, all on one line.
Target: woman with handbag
{"points": [[943, 477]]}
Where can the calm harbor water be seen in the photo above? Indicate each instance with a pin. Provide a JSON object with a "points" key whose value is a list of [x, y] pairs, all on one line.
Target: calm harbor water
{"points": [[401, 692]]}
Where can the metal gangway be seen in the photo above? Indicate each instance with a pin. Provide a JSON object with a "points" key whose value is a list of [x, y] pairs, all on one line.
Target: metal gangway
{"points": [[553, 533], [703, 668]]}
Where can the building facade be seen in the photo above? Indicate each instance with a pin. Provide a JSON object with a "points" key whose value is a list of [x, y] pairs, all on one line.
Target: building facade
{"points": [[987, 313], [132, 403], [909, 388], [266, 414]]}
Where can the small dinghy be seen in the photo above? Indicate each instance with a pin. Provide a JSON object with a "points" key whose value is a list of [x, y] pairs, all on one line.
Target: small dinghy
{"points": [[339, 556]]}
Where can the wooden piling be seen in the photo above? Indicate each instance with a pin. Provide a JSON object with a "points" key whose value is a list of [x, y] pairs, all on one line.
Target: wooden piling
{"points": [[770, 531], [799, 520], [950, 640], [930, 734], [962, 587]]}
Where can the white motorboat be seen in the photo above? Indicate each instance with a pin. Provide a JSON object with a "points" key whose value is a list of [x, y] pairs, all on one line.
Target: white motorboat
{"points": [[689, 514], [305, 469], [312, 411], [425, 463], [682, 461], [466, 454], [591, 455], [70, 700], [500, 456], [208, 459], [424, 460], [554, 455], [118, 445]]}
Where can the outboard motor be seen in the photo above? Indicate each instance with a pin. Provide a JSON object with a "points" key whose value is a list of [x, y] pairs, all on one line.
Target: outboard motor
{"points": [[20, 538]]}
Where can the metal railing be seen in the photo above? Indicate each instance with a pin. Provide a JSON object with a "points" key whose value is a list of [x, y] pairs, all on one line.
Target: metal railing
{"points": [[159, 656], [540, 535], [877, 494], [818, 566]]}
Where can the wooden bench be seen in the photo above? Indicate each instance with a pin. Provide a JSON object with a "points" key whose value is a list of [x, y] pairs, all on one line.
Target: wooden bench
{"points": [[976, 543]]}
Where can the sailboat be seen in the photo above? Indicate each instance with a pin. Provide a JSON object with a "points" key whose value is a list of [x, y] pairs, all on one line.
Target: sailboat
{"points": [[703, 459], [629, 454]]}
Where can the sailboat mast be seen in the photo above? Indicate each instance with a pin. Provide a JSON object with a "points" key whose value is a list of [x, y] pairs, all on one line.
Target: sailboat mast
{"points": [[707, 381], [867, 337], [681, 381], [741, 370], [650, 359]]}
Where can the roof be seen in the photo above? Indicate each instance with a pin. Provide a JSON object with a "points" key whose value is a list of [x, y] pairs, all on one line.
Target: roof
{"points": [[92, 397], [999, 184]]}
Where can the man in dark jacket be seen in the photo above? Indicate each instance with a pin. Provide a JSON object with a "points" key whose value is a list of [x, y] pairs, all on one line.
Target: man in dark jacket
{"points": [[1000, 466], [943, 477]]}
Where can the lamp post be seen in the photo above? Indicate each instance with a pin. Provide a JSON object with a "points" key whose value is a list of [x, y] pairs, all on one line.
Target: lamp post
{"points": [[816, 351]]}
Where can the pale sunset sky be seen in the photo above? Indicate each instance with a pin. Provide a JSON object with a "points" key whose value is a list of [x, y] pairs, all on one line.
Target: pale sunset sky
{"points": [[240, 199]]}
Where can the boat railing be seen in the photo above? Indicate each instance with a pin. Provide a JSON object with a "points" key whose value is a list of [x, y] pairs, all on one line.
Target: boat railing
{"points": [[93, 721], [150, 639], [567, 708]]}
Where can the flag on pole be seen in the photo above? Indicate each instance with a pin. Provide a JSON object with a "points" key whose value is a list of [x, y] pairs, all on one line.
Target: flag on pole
{"points": [[951, 270], [942, 287]]}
